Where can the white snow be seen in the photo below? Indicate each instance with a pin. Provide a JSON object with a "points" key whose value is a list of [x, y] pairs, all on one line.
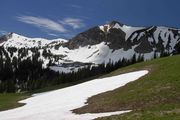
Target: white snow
{"points": [[127, 29], [97, 54], [20, 41], [165, 34], [134, 36], [57, 105], [149, 56], [141, 34], [102, 28], [64, 69]]}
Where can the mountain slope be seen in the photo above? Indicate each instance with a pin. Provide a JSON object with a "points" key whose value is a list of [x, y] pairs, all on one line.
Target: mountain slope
{"points": [[19, 41], [155, 96], [101, 44]]}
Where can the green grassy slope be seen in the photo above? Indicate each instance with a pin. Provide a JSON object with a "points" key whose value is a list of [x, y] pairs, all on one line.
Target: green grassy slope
{"points": [[155, 96], [10, 100]]}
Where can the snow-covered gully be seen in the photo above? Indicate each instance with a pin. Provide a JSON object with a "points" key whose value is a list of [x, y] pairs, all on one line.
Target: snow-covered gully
{"points": [[57, 105]]}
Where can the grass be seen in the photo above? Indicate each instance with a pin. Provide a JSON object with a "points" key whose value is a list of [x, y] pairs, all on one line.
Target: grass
{"points": [[155, 96], [10, 100]]}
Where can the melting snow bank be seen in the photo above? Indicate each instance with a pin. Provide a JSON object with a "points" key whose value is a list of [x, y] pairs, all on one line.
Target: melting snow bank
{"points": [[57, 105]]}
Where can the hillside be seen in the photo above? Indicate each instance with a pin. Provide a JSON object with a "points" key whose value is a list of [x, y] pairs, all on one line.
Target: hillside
{"points": [[155, 96]]}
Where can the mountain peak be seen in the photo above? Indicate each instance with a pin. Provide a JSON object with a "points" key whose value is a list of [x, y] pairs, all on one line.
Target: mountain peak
{"points": [[6, 37], [113, 23], [9, 36]]}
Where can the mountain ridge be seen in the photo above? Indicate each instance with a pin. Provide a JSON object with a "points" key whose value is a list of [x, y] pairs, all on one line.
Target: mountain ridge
{"points": [[100, 44], [33, 63]]}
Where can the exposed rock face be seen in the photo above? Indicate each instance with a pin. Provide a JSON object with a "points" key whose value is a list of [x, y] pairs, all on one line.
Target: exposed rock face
{"points": [[115, 37], [92, 36], [5, 37]]}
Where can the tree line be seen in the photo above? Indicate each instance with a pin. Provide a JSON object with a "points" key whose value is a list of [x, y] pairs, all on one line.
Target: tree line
{"points": [[17, 74]]}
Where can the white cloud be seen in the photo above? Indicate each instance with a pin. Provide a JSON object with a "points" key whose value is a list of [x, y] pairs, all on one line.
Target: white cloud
{"points": [[75, 6], [63, 27], [52, 34], [43, 23], [75, 23]]}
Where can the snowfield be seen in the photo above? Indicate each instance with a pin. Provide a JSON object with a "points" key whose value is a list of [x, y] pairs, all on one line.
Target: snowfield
{"points": [[19, 41], [57, 105]]}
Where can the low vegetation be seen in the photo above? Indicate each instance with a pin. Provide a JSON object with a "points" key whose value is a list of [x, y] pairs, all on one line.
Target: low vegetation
{"points": [[155, 96], [10, 100]]}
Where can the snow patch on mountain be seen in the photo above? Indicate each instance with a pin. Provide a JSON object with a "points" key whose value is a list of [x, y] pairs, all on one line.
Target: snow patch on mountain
{"points": [[126, 29], [20, 41], [167, 36], [100, 53]]}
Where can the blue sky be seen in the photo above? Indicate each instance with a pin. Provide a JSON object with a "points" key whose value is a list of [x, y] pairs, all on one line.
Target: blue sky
{"points": [[65, 18]]}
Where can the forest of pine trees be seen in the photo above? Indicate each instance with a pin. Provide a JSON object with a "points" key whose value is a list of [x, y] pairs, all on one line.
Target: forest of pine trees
{"points": [[28, 74]]}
